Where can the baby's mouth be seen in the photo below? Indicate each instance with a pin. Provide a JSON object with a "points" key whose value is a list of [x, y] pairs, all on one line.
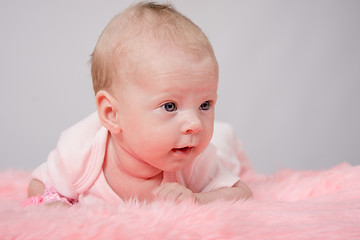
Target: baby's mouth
{"points": [[183, 150]]}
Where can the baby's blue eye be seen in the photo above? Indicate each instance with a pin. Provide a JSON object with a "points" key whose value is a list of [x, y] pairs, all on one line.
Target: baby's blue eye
{"points": [[169, 107], [205, 105]]}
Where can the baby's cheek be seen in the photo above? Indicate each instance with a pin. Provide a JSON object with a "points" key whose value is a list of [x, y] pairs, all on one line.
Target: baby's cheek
{"points": [[207, 137], [155, 144]]}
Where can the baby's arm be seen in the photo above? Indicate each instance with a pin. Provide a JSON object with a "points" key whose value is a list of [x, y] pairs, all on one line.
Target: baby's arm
{"points": [[177, 192], [37, 194]]}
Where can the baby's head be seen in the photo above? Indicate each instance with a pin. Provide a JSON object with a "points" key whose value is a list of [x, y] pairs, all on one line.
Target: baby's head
{"points": [[155, 78], [136, 30]]}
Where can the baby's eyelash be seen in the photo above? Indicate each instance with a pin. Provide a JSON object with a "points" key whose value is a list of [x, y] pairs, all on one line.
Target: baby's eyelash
{"points": [[206, 105], [172, 106], [169, 107]]}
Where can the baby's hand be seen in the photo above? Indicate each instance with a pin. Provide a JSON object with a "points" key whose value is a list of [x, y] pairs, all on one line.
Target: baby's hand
{"points": [[174, 192]]}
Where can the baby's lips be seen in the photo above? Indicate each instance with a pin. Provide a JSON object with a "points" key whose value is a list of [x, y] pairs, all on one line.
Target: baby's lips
{"points": [[183, 148]]}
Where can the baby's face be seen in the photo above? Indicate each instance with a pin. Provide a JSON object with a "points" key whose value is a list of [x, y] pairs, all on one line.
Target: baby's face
{"points": [[167, 110]]}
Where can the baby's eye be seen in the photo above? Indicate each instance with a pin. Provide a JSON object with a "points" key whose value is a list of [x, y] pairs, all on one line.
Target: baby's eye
{"points": [[169, 107], [205, 105]]}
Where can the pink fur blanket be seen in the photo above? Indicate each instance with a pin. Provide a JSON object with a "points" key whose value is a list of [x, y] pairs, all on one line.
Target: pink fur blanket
{"points": [[287, 205]]}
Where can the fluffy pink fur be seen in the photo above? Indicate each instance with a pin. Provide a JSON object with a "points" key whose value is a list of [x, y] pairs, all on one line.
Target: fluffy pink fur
{"points": [[288, 205]]}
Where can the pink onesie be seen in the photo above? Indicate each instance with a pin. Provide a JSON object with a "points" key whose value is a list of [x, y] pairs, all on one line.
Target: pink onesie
{"points": [[74, 168]]}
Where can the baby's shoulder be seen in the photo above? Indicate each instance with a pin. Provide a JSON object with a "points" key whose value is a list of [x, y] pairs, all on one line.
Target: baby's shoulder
{"points": [[79, 154], [82, 132], [82, 146], [79, 136]]}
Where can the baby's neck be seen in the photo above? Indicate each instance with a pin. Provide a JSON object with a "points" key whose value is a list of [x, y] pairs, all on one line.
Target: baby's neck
{"points": [[129, 177], [126, 162]]}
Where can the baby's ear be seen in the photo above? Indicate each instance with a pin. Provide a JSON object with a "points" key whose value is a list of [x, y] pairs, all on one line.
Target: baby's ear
{"points": [[107, 109]]}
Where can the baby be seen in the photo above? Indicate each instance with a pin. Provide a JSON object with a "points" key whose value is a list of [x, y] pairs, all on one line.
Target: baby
{"points": [[155, 77]]}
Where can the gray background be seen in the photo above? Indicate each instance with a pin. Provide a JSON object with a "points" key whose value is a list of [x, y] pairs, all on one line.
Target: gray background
{"points": [[289, 76]]}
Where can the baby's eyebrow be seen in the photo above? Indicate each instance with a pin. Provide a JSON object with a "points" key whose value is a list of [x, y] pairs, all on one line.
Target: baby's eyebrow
{"points": [[211, 96], [166, 97]]}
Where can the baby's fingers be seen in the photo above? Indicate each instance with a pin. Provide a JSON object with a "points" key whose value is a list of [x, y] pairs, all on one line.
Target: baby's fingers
{"points": [[171, 195], [173, 192], [167, 192]]}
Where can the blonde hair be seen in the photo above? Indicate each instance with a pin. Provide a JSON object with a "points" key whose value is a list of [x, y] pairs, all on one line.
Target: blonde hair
{"points": [[145, 21]]}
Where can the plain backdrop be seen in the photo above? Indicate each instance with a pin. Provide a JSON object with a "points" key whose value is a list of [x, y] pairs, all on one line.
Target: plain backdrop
{"points": [[289, 76]]}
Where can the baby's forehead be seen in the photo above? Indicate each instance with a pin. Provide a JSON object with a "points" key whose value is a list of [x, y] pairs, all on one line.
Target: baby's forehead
{"points": [[146, 53], [158, 59]]}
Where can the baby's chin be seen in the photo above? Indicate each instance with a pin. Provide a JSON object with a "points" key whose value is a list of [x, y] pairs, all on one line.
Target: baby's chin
{"points": [[176, 166]]}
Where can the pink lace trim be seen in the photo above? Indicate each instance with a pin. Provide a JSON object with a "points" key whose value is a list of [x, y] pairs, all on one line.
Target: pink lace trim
{"points": [[50, 195]]}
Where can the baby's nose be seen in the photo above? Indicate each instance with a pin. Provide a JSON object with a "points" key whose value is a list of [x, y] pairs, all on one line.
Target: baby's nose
{"points": [[192, 123]]}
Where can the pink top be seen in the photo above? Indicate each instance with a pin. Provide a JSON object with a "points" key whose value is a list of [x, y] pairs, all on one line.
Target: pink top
{"points": [[74, 168]]}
